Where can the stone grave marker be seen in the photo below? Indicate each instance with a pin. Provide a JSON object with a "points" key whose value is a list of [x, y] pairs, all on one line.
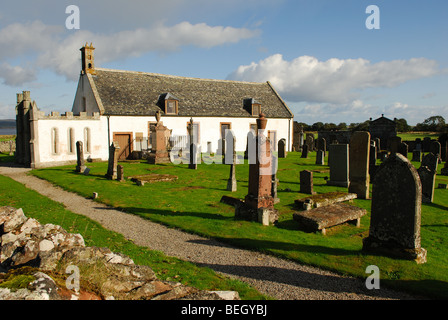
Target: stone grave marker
{"points": [[113, 161], [120, 173], [417, 155], [259, 197], [282, 148], [359, 156], [80, 157], [306, 182], [436, 148], [304, 151], [231, 182], [403, 149], [339, 165], [320, 160], [396, 211]]}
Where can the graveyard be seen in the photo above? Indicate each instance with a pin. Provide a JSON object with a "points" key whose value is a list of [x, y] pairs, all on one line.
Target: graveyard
{"points": [[192, 202]]}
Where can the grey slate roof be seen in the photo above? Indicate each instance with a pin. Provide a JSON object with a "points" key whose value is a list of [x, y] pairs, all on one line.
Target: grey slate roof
{"points": [[138, 93]]}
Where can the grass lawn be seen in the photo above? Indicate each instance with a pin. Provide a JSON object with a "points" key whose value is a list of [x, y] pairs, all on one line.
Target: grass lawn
{"points": [[411, 136], [192, 203], [45, 211]]}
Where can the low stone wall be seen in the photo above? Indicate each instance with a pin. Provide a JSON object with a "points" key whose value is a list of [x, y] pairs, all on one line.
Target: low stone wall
{"points": [[5, 146], [60, 267]]}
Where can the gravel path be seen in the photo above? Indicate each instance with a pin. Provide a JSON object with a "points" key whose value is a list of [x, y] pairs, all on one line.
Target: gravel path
{"points": [[281, 279]]}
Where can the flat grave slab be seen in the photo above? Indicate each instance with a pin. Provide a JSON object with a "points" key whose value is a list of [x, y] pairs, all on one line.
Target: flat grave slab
{"points": [[152, 177], [319, 219], [324, 199]]}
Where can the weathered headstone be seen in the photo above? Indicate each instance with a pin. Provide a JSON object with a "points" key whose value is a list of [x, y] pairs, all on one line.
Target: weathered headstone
{"points": [[231, 182], [428, 180], [304, 151], [417, 155], [394, 144], [193, 148], [403, 149], [309, 141], [120, 173], [320, 160], [113, 161], [282, 148], [80, 157], [339, 165], [396, 211], [430, 160], [359, 155], [436, 148], [427, 173], [322, 145], [306, 182]]}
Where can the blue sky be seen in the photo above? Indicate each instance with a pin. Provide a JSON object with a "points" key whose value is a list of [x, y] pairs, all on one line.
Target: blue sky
{"points": [[318, 54]]}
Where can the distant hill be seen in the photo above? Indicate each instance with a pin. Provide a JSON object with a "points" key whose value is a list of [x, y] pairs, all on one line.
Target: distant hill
{"points": [[7, 123]]}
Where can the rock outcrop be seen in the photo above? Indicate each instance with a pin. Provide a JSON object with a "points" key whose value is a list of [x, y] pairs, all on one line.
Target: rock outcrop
{"points": [[58, 266]]}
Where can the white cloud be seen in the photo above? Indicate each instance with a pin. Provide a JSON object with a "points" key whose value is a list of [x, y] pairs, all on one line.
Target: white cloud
{"points": [[50, 48], [333, 81], [16, 75]]}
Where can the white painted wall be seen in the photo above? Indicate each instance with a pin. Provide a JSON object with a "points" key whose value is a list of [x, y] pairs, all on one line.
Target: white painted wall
{"points": [[98, 139], [84, 90], [209, 128]]}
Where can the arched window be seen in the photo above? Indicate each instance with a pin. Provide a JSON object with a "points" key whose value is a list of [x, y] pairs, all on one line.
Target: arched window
{"points": [[54, 141], [71, 140], [87, 140]]}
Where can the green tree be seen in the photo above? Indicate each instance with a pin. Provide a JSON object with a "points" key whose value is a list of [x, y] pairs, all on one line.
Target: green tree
{"points": [[402, 125]]}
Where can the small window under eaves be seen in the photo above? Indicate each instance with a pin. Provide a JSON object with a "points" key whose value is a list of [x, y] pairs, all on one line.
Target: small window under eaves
{"points": [[256, 109], [171, 104]]}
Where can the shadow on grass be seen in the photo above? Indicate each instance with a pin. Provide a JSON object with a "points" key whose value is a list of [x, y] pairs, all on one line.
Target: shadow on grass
{"points": [[145, 212]]}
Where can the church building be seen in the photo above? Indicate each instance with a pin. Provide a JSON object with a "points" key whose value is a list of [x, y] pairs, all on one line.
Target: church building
{"points": [[116, 105]]}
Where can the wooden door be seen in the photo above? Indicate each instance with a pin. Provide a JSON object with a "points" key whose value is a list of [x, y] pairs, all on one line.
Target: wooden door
{"points": [[125, 142]]}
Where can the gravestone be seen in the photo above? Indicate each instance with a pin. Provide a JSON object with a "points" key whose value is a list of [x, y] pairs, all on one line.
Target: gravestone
{"points": [[309, 141], [359, 156], [322, 145], [396, 211], [193, 148], [120, 173], [417, 155], [418, 144], [338, 160], [320, 160], [258, 204], [80, 157], [231, 182], [306, 182], [209, 147], [304, 151], [282, 148], [426, 144], [436, 148], [403, 149], [113, 161], [427, 173], [394, 144], [372, 159], [430, 160], [159, 151], [378, 145], [428, 180]]}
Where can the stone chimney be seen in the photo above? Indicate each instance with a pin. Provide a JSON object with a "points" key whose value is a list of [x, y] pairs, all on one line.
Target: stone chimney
{"points": [[87, 59]]}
